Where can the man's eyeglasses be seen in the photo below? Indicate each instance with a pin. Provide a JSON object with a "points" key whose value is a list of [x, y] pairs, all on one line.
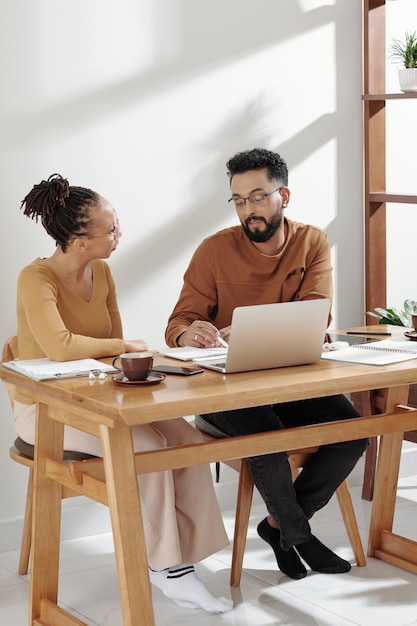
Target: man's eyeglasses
{"points": [[255, 199], [113, 232]]}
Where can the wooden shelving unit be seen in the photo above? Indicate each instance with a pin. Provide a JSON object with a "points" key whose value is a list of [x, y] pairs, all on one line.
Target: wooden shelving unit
{"points": [[376, 194]]}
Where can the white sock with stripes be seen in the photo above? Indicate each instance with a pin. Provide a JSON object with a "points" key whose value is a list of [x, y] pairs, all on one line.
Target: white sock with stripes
{"points": [[158, 578], [182, 585]]}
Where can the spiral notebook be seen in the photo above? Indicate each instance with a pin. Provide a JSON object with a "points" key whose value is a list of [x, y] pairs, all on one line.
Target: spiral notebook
{"points": [[381, 352], [45, 369]]}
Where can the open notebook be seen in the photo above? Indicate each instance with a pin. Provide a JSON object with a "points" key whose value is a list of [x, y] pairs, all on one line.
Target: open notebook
{"points": [[45, 369], [381, 352]]}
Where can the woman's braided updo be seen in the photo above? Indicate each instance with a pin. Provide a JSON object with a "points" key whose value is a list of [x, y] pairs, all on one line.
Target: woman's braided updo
{"points": [[65, 211]]}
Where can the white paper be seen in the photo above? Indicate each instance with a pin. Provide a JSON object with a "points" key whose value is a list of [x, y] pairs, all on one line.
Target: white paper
{"points": [[188, 353], [45, 369]]}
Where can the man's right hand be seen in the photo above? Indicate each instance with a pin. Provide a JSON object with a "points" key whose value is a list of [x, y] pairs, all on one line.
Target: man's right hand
{"points": [[201, 335]]}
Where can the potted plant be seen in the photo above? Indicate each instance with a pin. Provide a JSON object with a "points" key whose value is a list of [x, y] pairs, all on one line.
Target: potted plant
{"points": [[407, 317], [405, 53]]}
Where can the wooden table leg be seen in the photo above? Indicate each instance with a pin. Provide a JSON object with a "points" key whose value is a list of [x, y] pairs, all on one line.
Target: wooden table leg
{"points": [[389, 456], [46, 517], [126, 518]]}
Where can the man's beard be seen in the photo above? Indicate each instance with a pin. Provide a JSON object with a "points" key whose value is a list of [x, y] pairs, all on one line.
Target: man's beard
{"points": [[265, 235]]}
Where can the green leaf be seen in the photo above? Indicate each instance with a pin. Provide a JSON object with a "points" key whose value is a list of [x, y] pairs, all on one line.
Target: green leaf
{"points": [[394, 316], [404, 52], [372, 314], [410, 307], [389, 320]]}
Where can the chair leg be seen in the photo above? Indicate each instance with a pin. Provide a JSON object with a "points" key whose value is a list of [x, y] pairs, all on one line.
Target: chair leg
{"points": [[348, 514], [244, 502], [365, 403], [370, 469], [243, 507], [27, 528]]}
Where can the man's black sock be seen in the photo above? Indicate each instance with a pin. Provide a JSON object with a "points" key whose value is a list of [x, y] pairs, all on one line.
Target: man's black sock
{"points": [[320, 558], [288, 560]]}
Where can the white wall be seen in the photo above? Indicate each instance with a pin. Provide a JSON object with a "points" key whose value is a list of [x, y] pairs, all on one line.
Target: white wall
{"points": [[144, 101]]}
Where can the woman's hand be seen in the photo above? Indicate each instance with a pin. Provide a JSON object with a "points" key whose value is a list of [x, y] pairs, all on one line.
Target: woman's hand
{"points": [[135, 345], [201, 335]]}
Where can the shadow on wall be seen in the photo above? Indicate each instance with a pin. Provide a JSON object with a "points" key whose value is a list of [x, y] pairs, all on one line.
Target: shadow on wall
{"points": [[182, 231], [201, 41], [200, 37]]}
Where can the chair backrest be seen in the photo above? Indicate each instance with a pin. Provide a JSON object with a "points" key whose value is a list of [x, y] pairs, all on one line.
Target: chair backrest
{"points": [[23, 451], [10, 351]]}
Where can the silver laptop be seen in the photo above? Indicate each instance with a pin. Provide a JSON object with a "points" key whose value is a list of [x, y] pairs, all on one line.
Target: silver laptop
{"points": [[266, 336]]}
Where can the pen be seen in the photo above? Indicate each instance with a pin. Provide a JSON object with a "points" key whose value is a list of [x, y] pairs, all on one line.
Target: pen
{"points": [[74, 374], [367, 332], [222, 341]]}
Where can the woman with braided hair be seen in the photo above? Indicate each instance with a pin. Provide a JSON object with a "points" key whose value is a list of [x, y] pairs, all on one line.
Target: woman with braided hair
{"points": [[67, 309]]}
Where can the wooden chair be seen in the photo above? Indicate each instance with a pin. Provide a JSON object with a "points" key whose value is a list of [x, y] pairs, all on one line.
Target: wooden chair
{"points": [[373, 403], [10, 351], [297, 459]]}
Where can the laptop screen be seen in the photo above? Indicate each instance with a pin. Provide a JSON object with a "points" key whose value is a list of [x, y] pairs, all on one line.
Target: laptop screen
{"points": [[274, 335]]}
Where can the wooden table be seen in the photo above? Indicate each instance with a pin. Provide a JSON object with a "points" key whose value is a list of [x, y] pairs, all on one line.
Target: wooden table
{"points": [[109, 410]]}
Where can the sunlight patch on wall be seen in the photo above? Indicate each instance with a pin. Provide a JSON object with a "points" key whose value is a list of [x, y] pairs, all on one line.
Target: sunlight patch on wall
{"points": [[315, 202], [311, 5], [91, 45], [179, 139]]}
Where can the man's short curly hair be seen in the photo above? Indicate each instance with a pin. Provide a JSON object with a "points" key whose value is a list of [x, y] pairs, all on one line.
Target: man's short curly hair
{"points": [[256, 159]]}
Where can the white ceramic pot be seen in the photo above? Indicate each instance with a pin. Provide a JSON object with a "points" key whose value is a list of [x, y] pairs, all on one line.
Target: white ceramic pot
{"points": [[408, 78]]}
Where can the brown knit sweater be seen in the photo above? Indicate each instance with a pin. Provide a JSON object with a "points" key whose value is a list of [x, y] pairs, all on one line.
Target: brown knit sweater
{"points": [[53, 322], [227, 271]]}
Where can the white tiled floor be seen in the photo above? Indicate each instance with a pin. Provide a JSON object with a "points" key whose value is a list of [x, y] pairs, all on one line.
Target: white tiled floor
{"points": [[376, 594]]}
